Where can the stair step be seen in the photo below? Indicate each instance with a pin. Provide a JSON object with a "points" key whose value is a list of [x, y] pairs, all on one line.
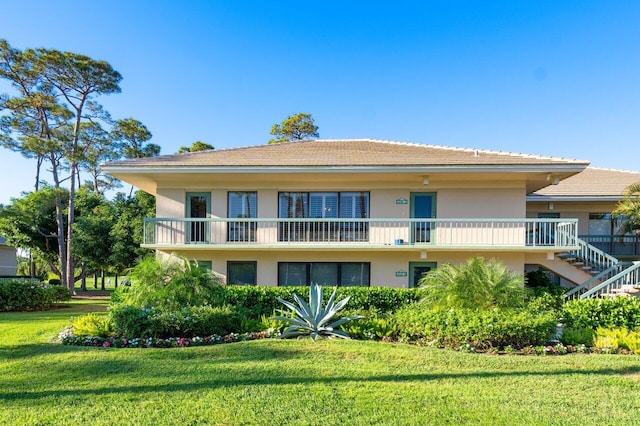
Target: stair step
{"points": [[594, 272], [586, 268]]}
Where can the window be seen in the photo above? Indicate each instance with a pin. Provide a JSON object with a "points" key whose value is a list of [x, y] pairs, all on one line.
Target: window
{"points": [[342, 274], [323, 205], [205, 264], [605, 224], [242, 273], [242, 205]]}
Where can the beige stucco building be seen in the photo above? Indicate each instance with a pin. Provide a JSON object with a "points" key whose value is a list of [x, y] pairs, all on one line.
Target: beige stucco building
{"points": [[8, 260], [360, 212]]}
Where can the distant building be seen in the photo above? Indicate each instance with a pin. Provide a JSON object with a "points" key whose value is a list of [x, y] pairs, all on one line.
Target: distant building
{"points": [[8, 260]]}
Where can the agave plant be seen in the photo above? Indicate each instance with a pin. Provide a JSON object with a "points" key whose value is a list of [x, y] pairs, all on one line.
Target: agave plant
{"points": [[312, 319]]}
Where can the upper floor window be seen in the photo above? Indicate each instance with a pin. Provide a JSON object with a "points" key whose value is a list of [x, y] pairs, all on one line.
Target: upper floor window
{"points": [[326, 205], [606, 224], [242, 205]]}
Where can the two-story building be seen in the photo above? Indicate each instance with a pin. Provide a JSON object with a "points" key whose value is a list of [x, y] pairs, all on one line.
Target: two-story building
{"points": [[359, 212]]}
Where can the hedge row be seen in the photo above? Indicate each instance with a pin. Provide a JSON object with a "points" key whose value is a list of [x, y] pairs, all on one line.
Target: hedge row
{"points": [[24, 296], [256, 301]]}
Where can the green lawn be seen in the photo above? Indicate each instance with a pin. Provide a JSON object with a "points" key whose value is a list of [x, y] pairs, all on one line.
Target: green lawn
{"points": [[275, 382]]}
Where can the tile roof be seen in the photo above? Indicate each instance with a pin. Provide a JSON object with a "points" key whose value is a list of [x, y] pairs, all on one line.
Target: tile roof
{"points": [[594, 182], [357, 152]]}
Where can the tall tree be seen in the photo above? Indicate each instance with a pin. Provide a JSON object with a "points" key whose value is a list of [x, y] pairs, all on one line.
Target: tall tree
{"points": [[127, 232], [295, 127], [133, 136], [30, 222], [195, 147], [48, 117], [629, 207]]}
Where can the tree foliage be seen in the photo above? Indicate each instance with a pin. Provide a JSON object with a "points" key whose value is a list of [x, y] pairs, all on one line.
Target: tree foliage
{"points": [[478, 284], [195, 147], [295, 127], [52, 115], [629, 207]]}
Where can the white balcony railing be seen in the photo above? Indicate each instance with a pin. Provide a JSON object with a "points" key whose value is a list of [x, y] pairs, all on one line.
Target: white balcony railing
{"points": [[461, 233]]}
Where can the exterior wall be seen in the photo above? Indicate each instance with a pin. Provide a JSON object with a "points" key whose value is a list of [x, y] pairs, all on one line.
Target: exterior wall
{"points": [[481, 203], [8, 261], [571, 210], [463, 202], [384, 265]]}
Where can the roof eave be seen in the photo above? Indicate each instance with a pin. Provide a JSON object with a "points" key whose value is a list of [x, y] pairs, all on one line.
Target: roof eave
{"points": [[461, 168], [574, 198]]}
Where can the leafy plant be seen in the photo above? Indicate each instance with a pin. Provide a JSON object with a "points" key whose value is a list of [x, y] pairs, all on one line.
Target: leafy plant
{"points": [[606, 313], [479, 284], [577, 336], [170, 284], [93, 325], [312, 319]]}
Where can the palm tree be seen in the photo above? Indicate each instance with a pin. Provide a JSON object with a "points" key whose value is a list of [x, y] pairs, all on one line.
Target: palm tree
{"points": [[479, 284], [629, 207]]}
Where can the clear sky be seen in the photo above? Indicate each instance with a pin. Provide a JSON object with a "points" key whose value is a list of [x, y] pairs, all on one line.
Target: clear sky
{"points": [[559, 78]]}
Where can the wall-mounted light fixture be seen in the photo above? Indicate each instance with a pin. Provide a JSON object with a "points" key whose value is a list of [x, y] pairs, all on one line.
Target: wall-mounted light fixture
{"points": [[425, 180], [550, 206], [423, 255], [402, 201]]}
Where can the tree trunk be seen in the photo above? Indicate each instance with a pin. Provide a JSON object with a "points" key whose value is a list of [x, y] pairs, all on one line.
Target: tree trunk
{"points": [[83, 286], [116, 280], [38, 165], [102, 280], [95, 279], [70, 220], [32, 266], [62, 248]]}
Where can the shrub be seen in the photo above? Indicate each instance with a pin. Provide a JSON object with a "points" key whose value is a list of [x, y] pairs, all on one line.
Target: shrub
{"points": [[258, 301], [133, 322], [478, 284], [606, 313], [481, 329], [312, 319], [55, 281], [577, 336], [169, 284], [20, 296], [93, 325]]}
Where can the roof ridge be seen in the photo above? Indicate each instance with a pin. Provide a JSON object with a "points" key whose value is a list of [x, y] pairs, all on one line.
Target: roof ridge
{"points": [[608, 169], [473, 150]]}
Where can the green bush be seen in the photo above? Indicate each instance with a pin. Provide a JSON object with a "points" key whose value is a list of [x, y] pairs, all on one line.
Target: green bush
{"points": [[256, 301], [55, 281], [169, 284], [606, 313], [478, 284], [577, 336], [93, 325], [132, 322], [480, 329], [23, 296], [617, 340]]}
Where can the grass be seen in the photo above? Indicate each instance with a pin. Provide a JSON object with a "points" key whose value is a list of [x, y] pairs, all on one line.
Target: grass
{"points": [[298, 382]]}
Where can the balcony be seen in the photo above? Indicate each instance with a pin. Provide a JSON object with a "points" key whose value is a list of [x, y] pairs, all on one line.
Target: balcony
{"points": [[380, 234], [620, 246]]}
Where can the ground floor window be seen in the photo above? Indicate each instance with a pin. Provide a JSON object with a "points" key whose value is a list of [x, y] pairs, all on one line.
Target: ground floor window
{"points": [[417, 270], [343, 274], [242, 273], [206, 264]]}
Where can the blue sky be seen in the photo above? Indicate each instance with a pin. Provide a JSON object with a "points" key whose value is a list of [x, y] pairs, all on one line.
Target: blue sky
{"points": [[542, 77]]}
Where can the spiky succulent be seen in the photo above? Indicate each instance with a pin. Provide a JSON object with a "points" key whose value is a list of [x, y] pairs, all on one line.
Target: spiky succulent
{"points": [[311, 319]]}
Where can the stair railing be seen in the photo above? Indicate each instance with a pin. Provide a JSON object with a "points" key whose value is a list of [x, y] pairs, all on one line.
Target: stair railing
{"points": [[578, 291], [630, 276]]}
